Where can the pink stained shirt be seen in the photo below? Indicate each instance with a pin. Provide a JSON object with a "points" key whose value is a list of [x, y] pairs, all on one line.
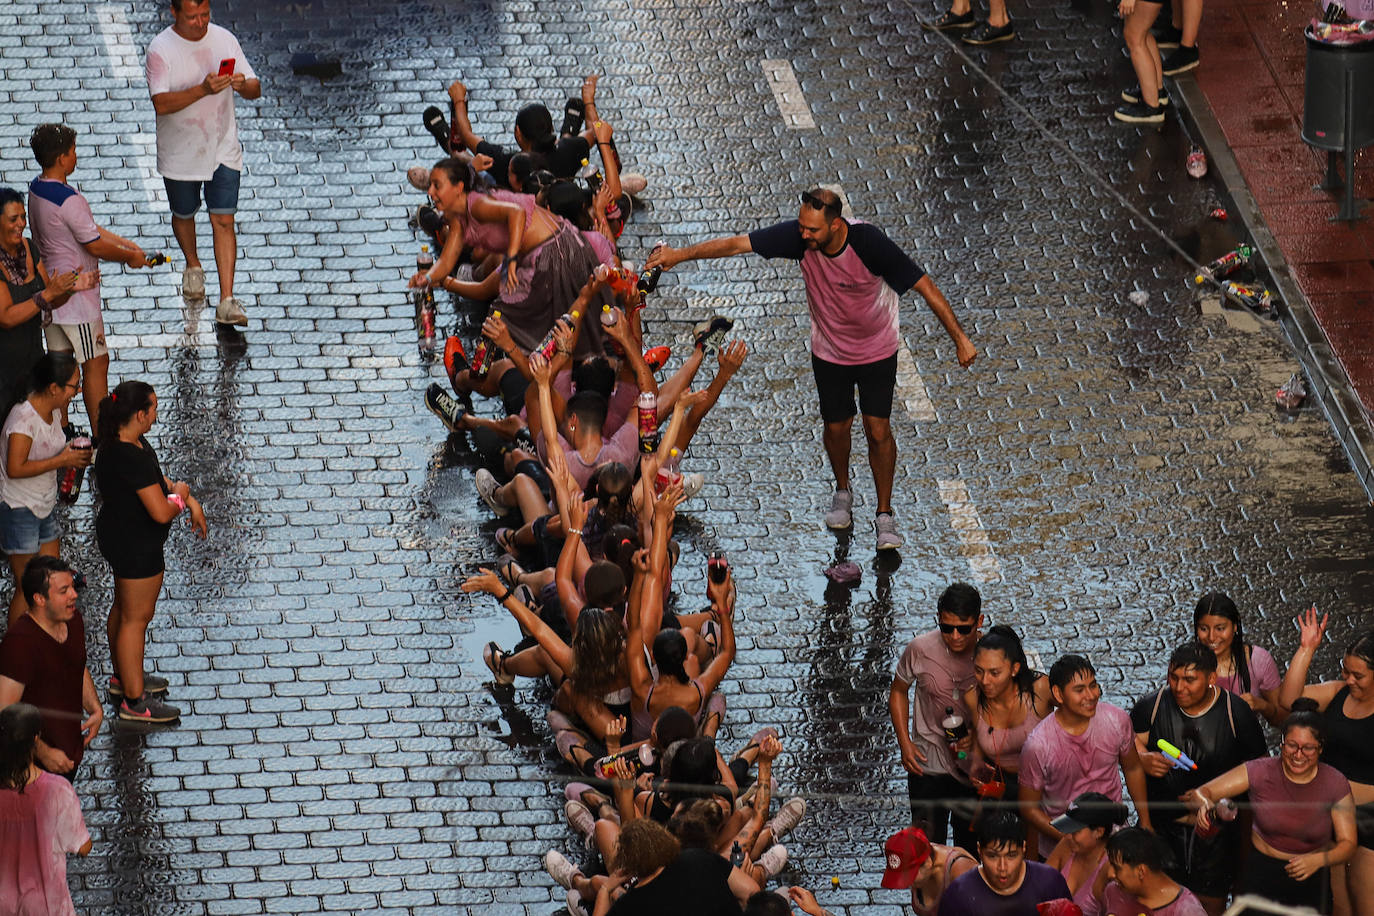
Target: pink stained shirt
{"points": [[1294, 818], [1117, 902], [941, 678], [38, 828], [1264, 674], [1064, 766]]}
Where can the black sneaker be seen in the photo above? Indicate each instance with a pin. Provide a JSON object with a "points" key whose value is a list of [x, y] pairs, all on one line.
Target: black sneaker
{"points": [[574, 114], [429, 219], [1139, 113], [1166, 36], [1132, 95], [437, 124], [157, 686], [444, 406], [710, 334], [984, 34], [1180, 61], [150, 710], [950, 22]]}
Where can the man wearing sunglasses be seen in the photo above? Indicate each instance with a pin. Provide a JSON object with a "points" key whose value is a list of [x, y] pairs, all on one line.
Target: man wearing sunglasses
{"points": [[940, 664], [854, 275]]}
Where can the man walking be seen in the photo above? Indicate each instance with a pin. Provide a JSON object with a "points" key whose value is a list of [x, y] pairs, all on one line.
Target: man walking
{"points": [[854, 275], [190, 66], [69, 238]]}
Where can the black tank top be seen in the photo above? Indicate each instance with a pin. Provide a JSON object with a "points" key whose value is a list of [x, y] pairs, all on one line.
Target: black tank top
{"points": [[20, 346], [1349, 742]]}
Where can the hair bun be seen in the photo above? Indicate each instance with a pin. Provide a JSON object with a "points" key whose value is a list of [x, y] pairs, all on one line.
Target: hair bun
{"points": [[1304, 704]]}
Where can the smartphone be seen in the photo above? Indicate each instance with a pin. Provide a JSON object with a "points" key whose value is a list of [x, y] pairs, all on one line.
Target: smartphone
{"points": [[226, 67]]}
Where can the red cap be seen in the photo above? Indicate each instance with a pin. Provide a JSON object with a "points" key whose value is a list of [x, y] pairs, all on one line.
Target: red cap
{"points": [[906, 850]]}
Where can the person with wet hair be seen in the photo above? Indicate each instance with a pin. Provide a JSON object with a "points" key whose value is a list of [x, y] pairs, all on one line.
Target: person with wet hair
{"points": [[1081, 855], [40, 822], [1004, 883], [926, 868], [1247, 670], [1303, 809], [136, 513], [1347, 709], [1138, 863], [33, 450]]}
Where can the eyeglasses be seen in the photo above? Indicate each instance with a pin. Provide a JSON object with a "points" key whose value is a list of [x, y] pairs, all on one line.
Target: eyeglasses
{"points": [[963, 629], [1304, 750]]}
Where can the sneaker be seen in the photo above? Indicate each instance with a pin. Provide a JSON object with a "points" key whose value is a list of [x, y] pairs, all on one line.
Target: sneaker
{"points": [[486, 488], [710, 334], [575, 905], [148, 709], [574, 115], [657, 357], [949, 22], [455, 359], [840, 515], [1166, 36], [230, 311], [1132, 95], [496, 661], [444, 406], [418, 176], [633, 183], [193, 283], [1180, 61], [437, 124], [429, 219], [1139, 113], [581, 819], [560, 869], [888, 538], [773, 859], [788, 816], [984, 34], [692, 484], [157, 686]]}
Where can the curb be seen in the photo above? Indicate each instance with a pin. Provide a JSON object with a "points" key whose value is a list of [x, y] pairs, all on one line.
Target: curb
{"points": [[1326, 376]]}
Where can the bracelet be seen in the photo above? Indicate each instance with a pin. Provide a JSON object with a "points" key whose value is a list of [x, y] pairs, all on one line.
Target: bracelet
{"points": [[509, 591], [576, 531], [40, 301]]}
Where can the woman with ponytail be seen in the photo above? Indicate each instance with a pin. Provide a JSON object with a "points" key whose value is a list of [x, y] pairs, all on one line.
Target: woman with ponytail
{"points": [[138, 508], [40, 822], [33, 449], [1247, 671]]}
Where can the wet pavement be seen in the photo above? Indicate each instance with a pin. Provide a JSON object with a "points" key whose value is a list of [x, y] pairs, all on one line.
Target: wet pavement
{"points": [[1102, 465]]}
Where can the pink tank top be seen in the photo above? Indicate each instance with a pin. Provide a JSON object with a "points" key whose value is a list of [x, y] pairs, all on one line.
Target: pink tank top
{"points": [[1002, 746], [494, 237], [1088, 903]]}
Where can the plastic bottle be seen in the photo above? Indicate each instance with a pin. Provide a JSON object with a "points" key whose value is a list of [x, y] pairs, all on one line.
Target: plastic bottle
{"points": [[482, 353], [156, 259], [1255, 298], [591, 175], [176, 500], [1197, 162], [69, 486], [609, 316], [668, 473], [648, 422], [424, 260], [1224, 813], [736, 855], [549, 345], [1225, 265], [648, 281], [956, 730], [641, 759], [428, 317], [717, 567], [1291, 393]]}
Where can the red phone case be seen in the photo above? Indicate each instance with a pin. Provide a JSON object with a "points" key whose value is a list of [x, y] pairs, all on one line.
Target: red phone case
{"points": [[226, 66]]}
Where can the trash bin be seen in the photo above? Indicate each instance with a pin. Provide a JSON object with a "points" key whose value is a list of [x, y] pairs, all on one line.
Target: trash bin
{"points": [[1333, 71]]}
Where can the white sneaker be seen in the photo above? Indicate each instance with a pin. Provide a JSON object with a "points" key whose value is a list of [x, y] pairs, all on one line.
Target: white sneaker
{"points": [[418, 176], [193, 283], [230, 311], [773, 859], [575, 905], [633, 183], [888, 538], [840, 516], [692, 484], [486, 488], [788, 816], [560, 869]]}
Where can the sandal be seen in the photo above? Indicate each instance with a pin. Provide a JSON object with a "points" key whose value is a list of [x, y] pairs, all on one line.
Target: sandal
{"points": [[495, 658], [574, 115], [505, 539], [509, 570]]}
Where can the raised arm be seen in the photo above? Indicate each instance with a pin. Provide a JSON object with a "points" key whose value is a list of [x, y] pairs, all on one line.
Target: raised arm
{"points": [[1294, 683], [722, 597], [461, 128]]}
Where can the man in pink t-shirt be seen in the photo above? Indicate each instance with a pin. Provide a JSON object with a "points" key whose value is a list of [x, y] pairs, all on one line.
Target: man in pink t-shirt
{"points": [[854, 275], [1139, 885], [1077, 750]]}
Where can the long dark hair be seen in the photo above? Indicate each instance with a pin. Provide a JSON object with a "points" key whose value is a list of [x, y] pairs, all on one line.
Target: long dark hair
{"points": [[670, 655], [52, 368], [1218, 604], [19, 727], [1004, 639], [119, 406]]}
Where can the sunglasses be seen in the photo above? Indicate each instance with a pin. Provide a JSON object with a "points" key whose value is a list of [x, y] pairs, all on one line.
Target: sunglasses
{"points": [[963, 629], [811, 200]]}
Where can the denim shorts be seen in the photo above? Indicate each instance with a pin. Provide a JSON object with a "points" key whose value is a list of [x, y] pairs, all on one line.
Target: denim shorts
{"points": [[221, 193], [22, 532]]}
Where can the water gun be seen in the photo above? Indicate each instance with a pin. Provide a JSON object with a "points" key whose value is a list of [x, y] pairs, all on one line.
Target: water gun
{"points": [[1179, 758]]}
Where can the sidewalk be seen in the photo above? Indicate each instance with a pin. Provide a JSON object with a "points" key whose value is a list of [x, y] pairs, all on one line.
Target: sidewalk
{"points": [[1247, 95]]}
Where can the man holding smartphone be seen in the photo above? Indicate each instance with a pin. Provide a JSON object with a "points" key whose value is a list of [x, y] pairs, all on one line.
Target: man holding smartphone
{"points": [[190, 65]]}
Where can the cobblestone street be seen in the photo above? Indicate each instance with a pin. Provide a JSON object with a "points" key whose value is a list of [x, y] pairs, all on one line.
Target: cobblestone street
{"points": [[342, 748]]}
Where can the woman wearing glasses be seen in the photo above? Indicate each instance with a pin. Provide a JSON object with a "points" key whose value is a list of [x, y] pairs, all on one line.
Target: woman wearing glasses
{"points": [[1347, 708], [1304, 815]]}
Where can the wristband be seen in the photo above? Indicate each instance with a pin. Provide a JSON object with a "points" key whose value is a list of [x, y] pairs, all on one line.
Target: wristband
{"points": [[509, 591]]}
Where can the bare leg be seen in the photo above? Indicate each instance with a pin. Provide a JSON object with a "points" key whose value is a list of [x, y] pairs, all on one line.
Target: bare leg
{"points": [[671, 390], [882, 458], [226, 251], [1144, 51], [19, 605], [837, 447], [1191, 18], [95, 384], [997, 13], [136, 600], [185, 232]]}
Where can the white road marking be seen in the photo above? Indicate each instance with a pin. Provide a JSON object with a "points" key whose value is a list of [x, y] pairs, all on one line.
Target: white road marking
{"points": [[973, 538], [845, 210], [788, 92], [126, 64], [912, 390]]}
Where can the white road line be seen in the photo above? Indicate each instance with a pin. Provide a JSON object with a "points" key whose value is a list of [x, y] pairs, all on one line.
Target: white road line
{"points": [[912, 390], [973, 538], [845, 210], [127, 65], [788, 92]]}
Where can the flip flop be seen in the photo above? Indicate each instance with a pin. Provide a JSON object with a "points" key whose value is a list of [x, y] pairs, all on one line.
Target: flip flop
{"points": [[509, 570], [505, 539]]}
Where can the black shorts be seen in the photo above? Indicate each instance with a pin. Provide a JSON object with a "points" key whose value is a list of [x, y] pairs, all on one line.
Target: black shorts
{"points": [[1207, 866], [536, 472], [1364, 824], [131, 558], [513, 386], [836, 383]]}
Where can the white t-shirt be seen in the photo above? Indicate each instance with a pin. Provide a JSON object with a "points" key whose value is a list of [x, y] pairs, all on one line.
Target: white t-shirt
{"points": [[37, 494], [195, 141], [62, 225]]}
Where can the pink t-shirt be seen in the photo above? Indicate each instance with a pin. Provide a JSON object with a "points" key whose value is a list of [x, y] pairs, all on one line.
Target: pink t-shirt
{"points": [[1264, 674], [62, 226], [1064, 766], [1294, 818], [941, 680], [38, 827], [1117, 902]]}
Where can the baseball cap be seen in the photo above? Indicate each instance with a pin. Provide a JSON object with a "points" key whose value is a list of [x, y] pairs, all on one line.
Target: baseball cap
{"points": [[1091, 809], [906, 850]]}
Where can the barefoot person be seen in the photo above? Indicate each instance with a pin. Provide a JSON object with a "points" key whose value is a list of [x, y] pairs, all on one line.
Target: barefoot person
{"points": [[854, 275]]}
